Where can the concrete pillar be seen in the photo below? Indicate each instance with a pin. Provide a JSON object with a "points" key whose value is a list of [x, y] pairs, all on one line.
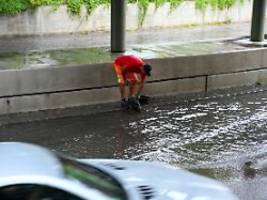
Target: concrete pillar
{"points": [[118, 8], [258, 21]]}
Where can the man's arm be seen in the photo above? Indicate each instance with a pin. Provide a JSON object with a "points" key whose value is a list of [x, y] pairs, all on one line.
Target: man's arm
{"points": [[143, 100]]}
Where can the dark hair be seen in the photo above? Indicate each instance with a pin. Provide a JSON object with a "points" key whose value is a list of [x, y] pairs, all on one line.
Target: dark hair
{"points": [[147, 69]]}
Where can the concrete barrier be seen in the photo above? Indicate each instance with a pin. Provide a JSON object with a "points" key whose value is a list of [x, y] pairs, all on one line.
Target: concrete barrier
{"points": [[81, 77], [62, 87], [55, 79], [236, 79]]}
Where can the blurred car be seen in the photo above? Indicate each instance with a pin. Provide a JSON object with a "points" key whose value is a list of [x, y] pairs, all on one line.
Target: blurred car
{"points": [[31, 172]]}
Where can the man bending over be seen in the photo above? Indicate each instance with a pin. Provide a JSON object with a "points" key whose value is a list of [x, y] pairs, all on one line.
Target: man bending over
{"points": [[133, 71]]}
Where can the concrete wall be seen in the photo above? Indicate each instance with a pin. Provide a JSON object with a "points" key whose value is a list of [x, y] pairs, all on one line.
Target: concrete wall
{"points": [[62, 87], [45, 20]]}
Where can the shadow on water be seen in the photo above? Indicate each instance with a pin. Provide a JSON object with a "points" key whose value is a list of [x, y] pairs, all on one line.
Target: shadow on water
{"points": [[212, 137]]}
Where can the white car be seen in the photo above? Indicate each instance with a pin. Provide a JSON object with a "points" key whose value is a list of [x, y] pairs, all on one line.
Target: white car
{"points": [[31, 172]]}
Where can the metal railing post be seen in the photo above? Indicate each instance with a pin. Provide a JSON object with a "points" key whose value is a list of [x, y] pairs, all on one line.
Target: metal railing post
{"points": [[258, 21], [118, 8]]}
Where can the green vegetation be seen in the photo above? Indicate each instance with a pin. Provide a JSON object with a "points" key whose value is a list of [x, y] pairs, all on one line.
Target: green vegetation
{"points": [[220, 4], [175, 3], [12, 7]]}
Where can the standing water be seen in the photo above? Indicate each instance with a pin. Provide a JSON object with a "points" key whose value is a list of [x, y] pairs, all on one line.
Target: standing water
{"points": [[85, 56], [213, 136]]}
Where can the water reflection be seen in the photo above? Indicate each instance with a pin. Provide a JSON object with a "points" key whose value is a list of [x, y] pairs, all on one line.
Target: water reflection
{"points": [[211, 136], [203, 131]]}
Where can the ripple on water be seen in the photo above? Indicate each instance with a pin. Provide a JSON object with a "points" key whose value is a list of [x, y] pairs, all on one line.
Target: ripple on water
{"points": [[201, 132], [213, 137]]}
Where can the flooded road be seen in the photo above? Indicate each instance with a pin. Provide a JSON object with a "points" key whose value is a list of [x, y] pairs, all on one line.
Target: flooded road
{"points": [[212, 135]]}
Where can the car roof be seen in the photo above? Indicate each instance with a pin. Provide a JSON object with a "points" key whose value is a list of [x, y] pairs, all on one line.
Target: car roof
{"points": [[19, 159]]}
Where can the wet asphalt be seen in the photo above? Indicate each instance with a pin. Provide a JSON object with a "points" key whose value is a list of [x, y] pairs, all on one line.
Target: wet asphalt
{"points": [[211, 134], [142, 37]]}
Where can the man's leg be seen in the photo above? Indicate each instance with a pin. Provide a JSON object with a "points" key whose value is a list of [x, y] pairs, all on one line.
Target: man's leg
{"points": [[121, 83], [122, 90], [133, 88], [120, 80], [133, 81]]}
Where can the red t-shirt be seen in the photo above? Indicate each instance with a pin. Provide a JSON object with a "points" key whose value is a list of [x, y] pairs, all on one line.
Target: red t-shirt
{"points": [[130, 63]]}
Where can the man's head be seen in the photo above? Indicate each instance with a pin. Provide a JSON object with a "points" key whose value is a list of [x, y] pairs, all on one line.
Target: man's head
{"points": [[147, 69]]}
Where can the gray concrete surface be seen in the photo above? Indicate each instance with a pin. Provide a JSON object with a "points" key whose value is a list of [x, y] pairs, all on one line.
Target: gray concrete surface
{"points": [[171, 87], [69, 78], [62, 87], [66, 86], [141, 37], [204, 66], [56, 100], [53, 79], [236, 79], [39, 102]]}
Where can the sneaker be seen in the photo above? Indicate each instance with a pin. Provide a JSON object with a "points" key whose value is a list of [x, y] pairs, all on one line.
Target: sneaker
{"points": [[144, 100], [124, 104], [134, 104]]}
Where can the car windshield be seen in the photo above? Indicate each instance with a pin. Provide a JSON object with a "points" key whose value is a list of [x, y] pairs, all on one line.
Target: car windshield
{"points": [[93, 178]]}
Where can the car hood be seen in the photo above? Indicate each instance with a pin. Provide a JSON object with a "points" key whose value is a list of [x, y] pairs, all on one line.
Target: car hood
{"points": [[155, 181]]}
